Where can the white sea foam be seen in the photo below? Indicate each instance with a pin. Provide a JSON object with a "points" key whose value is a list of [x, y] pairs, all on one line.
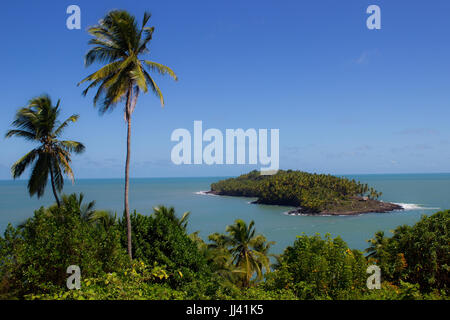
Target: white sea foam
{"points": [[413, 206], [204, 193], [319, 215], [286, 213]]}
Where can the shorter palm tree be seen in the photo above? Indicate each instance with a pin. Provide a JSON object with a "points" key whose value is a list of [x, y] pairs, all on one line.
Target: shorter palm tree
{"points": [[38, 122], [249, 251], [220, 259]]}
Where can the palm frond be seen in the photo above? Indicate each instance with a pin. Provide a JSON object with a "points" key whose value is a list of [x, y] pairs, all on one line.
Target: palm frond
{"points": [[138, 76], [21, 133], [39, 175], [160, 68], [72, 118], [20, 165], [108, 70], [122, 68], [154, 87], [72, 146], [58, 178], [147, 36], [26, 119], [104, 52], [184, 219], [63, 159]]}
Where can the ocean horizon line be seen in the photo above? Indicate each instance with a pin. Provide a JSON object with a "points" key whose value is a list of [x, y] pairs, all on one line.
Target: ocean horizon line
{"points": [[231, 176]]}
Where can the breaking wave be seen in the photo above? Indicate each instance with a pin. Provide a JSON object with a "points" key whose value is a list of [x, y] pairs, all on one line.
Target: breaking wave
{"points": [[413, 206], [204, 193]]}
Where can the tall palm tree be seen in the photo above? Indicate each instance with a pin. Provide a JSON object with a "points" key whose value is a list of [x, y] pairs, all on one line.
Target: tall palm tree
{"points": [[38, 122], [120, 43], [249, 251]]}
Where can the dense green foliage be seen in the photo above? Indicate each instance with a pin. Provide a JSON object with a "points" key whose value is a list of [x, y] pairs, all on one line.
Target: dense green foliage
{"points": [[171, 264], [314, 267], [418, 254], [316, 192], [134, 283], [34, 256], [161, 238]]}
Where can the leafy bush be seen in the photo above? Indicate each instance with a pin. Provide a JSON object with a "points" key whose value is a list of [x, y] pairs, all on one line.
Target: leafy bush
{"points": [[316, 268], [139, 282], [159, 238], [418, 254], [34, 256]]}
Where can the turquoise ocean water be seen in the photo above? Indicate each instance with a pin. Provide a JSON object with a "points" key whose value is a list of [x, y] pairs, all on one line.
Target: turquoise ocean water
{"points": [[419, 193]]}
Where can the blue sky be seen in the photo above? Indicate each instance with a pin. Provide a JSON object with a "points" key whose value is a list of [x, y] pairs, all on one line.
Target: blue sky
{"points": [[346, 99]]}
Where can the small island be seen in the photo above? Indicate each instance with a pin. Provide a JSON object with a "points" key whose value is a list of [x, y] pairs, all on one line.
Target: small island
{"points": [[309, 193]]}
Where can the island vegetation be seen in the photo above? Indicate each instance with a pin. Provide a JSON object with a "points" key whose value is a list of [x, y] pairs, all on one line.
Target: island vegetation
{"points": [[310, 193]]}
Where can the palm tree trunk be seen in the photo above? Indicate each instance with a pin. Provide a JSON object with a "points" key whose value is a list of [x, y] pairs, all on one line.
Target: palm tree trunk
{"points": [[130, 104], [53, 186], [127, 185]]}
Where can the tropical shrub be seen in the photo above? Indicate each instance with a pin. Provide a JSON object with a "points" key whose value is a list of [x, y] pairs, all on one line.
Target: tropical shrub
{"points": [[35, 255], [316, 268], [418, 254], [159, 238], [138, 282]]}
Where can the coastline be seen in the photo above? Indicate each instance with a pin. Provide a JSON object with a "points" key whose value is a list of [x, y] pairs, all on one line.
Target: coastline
{"points": [[367, 206]]}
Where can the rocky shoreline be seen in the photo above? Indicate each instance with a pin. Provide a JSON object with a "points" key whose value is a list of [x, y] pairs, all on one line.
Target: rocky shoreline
{"points": [[360, 205], [380, 207]]}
